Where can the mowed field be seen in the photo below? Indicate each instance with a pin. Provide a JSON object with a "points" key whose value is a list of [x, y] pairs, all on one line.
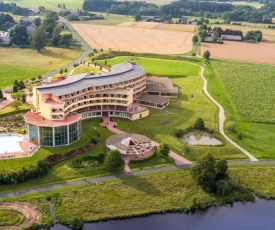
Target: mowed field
{"points": [[140, 37], [263, 52]]}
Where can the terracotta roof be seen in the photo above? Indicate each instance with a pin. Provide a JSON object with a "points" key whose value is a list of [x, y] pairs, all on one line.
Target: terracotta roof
{"points": [[52, 102], [36, 119]]}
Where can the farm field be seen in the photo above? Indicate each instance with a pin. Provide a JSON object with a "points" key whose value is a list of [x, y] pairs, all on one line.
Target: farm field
{"points": [[49, 4], [244, 90], [22, 64], [263, 52], [137, 40], [159, 26]]}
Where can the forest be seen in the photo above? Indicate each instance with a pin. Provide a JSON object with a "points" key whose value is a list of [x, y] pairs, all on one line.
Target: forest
{"points": [[180, 8]]}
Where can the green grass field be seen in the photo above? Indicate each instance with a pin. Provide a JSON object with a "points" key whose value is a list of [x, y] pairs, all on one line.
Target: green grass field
{"points": [[159, 67], [10, 218], [244, 90], [23, 64], [86, 69], [49, 4], [137, 195]]}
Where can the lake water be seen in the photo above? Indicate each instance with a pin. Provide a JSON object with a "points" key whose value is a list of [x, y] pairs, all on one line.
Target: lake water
{"points": [[248, 216]]}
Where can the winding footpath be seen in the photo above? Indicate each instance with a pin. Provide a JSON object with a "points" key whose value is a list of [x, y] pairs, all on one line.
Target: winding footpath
{"points": [[222, 117]]}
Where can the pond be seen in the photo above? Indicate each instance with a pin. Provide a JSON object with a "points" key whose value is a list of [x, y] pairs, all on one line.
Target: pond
{"points": [[250, 216], [204, 139]]}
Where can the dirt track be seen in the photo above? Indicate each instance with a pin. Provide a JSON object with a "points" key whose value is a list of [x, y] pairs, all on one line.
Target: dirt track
{"points": [[131, 37], [32, 215]]}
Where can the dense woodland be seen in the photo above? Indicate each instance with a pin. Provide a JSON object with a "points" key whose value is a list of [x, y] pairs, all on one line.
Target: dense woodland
{"points": [[13, 8], [181, 8]]}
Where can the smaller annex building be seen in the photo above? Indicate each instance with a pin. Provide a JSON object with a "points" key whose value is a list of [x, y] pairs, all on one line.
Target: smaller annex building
{"points": [[129, 143]]}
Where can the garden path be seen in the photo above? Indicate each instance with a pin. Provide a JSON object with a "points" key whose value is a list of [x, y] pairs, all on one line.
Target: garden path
{"points": [[7, 101], [222, 118]]}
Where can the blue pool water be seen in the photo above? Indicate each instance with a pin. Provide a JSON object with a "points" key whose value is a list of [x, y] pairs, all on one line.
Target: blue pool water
{"points": [[10, 143]]}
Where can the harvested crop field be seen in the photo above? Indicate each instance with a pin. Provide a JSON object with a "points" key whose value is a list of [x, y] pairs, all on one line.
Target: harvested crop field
{"points": [[263, 52], [159, 26], [135, 39]]}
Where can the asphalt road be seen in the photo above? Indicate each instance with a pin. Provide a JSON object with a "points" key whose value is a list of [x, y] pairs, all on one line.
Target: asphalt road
{"points": [[117, 176]]}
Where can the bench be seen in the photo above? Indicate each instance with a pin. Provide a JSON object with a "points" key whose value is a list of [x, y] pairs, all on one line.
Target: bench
{"points": [[165, 122]]}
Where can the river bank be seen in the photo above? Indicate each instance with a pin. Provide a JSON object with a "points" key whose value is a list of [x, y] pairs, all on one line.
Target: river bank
{"points": [[171, 191], [239, 216]]}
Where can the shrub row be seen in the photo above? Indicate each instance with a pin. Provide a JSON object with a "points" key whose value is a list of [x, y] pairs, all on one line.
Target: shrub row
{"points": [[42, 167]]}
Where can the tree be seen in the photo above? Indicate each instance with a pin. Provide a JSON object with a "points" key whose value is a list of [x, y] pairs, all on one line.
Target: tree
{"points": [[14, 89], [76, 223], [195, 39], [204, 172], [39, 39], [221, 168], [114, 161], [19, 36], [15, 104], [23, 98], [22, 85], [206, 54], [1, 94], [37, 22], [163, 149], [199, 124], [16, 83], [66, 40], [56, 36], [101, 158], [137, 18]]}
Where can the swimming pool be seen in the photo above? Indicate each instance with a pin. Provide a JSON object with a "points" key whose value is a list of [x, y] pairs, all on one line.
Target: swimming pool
{"points": [[9, 143]]}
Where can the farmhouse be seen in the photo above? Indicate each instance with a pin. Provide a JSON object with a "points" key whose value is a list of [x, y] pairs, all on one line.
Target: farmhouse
{"points": [[231, 37], [59, 107], [4, 37], [193, 22]]}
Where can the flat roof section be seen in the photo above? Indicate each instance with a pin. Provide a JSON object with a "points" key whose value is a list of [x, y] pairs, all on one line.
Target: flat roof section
{"points": [[120, 73], [160, 84], [152, 99], [36, 119]]}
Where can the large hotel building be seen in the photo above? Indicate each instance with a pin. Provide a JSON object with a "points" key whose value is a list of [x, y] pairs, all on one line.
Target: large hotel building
{"points": [[123, 92]]}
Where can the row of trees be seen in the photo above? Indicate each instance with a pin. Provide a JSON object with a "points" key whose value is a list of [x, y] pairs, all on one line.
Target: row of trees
{"points": [[207, 9], [6, 21], [13, 8]]}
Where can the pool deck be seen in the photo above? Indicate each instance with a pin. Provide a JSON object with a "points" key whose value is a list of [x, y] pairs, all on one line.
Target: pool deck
{"points": [[27, 147]]}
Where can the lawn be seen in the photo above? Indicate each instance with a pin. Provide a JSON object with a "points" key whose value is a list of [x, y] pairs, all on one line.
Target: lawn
{"points": [[22, 64], [10, 109], [9, 74], [136, 195], [245, 91], [159, 67], [259, 180]]}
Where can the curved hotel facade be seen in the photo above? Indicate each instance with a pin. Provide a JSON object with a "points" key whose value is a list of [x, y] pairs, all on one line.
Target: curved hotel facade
{"points": [[60, 106]]}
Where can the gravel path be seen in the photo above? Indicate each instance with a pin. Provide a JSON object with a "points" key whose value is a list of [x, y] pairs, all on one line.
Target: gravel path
{"points": [[222, 118]]}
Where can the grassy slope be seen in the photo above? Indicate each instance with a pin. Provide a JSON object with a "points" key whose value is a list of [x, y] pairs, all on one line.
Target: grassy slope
{"points": [[182, 112], [159, 67], [22, 64], [257, 136]]}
